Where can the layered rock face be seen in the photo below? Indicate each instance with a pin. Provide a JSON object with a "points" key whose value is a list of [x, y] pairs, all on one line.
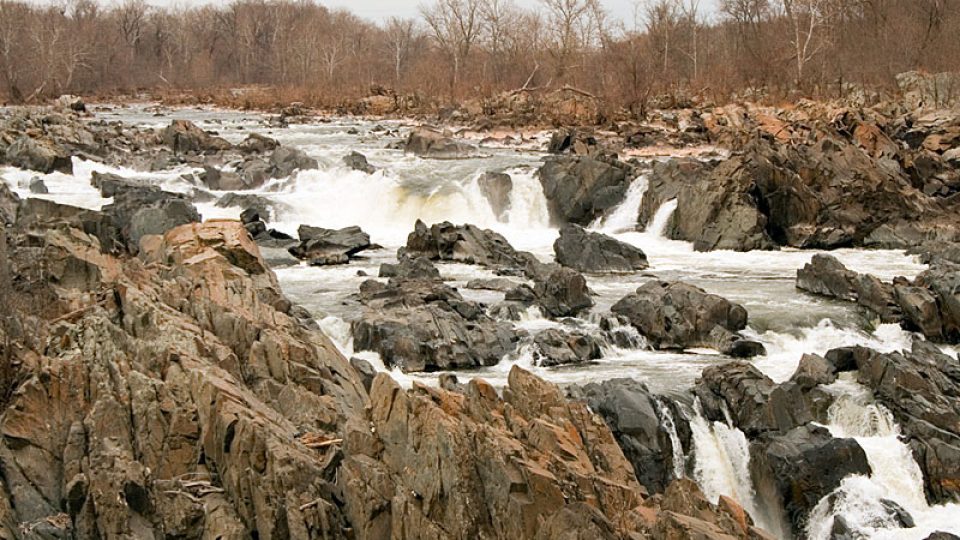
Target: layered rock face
{"points": [[579, 189], [176, 394], [588, 251]]}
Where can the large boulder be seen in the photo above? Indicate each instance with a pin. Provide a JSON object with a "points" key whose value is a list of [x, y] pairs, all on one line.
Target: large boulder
{"points": [[42, 155], [429, 143], [563, 293], [467, 244], [424, 325], [588, 251], [285, 161], [580, 189], [256, 143], [322, 246], [798, 468], [139, 212], [676, 315], [554, 347], [826, 276], [184, 137]]}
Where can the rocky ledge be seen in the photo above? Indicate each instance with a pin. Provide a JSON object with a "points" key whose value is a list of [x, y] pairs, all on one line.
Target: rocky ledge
{"points": [[177, 393]]}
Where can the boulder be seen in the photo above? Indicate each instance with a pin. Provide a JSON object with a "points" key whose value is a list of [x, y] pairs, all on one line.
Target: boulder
{"points": [[38, 187], [41, 155], [798, 468], [184, 137], [826, 276], [580, 189], [322, 246], [563, 293], [285, 161], [573, 140], [553, 347], [676, 315], [148, 211], [593, 252], [256, 143], [409, 268], [424, 325], [496, 187], [429, 143], [467, 244], [109, 184], [358, 162]]}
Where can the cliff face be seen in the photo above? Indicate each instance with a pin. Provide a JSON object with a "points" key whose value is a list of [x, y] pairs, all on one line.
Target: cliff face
{"points": [[176, 394]]}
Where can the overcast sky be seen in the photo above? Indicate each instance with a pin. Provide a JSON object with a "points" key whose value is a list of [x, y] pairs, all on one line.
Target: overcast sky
{"points": [[379, 10]]}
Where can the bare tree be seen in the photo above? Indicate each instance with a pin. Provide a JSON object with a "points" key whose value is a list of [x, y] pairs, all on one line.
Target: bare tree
{"points": [[456, 27], [400, 34], [807, 21]]}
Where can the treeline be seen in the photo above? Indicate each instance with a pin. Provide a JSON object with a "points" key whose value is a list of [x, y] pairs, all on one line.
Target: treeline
{"points": [[774, 49]]}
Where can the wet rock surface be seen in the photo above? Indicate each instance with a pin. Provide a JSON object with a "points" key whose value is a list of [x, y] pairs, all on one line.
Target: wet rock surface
{"points": [[588, 251], [675, 315], [429, 143], [321, 247], [580, 189]]}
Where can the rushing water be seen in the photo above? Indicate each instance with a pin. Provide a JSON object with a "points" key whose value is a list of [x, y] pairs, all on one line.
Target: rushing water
{"points": [[406, 188]]}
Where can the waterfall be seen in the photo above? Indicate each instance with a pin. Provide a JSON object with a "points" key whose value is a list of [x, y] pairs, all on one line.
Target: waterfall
{"points": [[896, 475], [658, 225], [624, 216], [666, 419]]}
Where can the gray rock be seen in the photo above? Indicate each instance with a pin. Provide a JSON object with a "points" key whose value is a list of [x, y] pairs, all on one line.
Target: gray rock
{"points": [[322, 246], [496, 187], [553, 347], [261, 205], [41, 155], [358, 162], [9, 204], [38, 187], [429, 143], [587, 251], [146, 211], [256, 143], [184, 137], [563, 293], [285, 161], [581, 189], [407, 268], [676, 315]]}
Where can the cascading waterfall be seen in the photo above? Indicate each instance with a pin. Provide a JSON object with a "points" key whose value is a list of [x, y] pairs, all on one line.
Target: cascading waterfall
{"points": [[864, 501], [666, 419], [624, 216], [658, 225]]}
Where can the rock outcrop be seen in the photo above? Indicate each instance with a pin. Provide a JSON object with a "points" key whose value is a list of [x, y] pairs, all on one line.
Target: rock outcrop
{"points": [[496, 188], [580, 189], [593, 252]]}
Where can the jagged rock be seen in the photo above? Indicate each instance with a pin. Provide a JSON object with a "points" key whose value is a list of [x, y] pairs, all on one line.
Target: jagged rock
{"points": [[826, 276], [9, 204], [943, 283], [424, 325], [666, 180], [41, 155], [676, 315], [495, 284], [633, 415], [109, 184], [921, 387], [814, 370], [801, 466], [256, 143], [428, 143], [554, 347], [184, 137], [571, 139], [358, 162], [219, 180], [286, 161], [496, 187], [139, 212], [588, 251], [563, 293], [467, 244], [322, 246], [580, 189]]}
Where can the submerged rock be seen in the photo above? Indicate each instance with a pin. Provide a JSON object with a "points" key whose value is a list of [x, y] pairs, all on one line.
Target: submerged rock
{"points": [[588, 251], [38, 187]]}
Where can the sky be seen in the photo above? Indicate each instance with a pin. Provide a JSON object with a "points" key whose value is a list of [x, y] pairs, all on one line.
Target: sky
{"points": [[380, 10]]}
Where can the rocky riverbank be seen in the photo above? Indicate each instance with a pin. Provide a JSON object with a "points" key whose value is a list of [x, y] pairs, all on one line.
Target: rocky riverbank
{"points": [[157, 382]]}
